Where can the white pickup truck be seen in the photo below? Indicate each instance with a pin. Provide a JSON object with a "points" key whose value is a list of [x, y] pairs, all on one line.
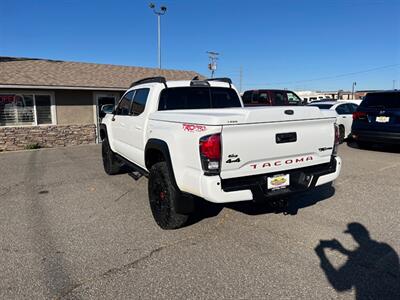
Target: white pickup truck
{"points": [[195, 138]]}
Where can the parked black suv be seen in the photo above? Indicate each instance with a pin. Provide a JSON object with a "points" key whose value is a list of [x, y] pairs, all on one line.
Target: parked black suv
{"points": [[377, 119]]}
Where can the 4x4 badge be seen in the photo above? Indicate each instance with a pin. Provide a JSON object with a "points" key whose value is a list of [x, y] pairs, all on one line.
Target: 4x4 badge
{"points": [[233, 158]]}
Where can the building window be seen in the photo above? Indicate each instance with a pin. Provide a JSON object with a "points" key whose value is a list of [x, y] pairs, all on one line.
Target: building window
{"points": [[26, 109]]}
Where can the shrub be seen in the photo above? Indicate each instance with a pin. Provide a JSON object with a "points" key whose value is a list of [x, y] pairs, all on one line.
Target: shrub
{"points": [[32, 146]]}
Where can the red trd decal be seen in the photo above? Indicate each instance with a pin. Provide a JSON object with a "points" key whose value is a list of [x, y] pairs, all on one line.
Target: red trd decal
{"points": [[193, 127]]}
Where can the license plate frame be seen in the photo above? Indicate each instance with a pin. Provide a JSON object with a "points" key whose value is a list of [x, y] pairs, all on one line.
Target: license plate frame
{"points": [[277, 182]]}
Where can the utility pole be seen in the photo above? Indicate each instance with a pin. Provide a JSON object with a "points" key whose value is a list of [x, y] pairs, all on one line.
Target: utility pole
{"points": [[352, 89], [159, 13], [240, 79], [212, 66], [394, 84]]}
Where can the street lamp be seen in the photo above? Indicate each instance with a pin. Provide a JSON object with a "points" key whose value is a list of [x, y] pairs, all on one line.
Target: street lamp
{"points": [[159, 13], [352, 89]]}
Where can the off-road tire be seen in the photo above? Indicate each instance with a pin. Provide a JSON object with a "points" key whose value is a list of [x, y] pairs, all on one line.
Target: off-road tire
{"points": [[163, 196], [111, 165]]}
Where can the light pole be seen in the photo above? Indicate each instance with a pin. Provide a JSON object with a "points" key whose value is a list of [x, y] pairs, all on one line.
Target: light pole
{"points": [[352, 89], [159, 13], [212, 66]]}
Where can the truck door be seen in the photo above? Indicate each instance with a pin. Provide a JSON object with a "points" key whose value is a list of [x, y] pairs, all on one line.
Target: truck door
{"points": [[135, 141], [119, 124]]}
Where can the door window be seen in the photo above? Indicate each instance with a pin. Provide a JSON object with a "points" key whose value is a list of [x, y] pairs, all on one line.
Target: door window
{"points": [[293, 99], [124, 106], [139, 101], [343, 110], [279, 98]]}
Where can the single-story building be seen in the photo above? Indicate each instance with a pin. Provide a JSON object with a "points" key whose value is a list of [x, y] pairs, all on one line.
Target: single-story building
{"points": [[57, 103]]}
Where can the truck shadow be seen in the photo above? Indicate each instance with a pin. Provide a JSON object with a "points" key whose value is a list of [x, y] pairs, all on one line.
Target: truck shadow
{"points": [[295, 202], [375, 147], [372, 268]]}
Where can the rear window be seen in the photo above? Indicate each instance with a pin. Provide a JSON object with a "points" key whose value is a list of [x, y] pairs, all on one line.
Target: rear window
{"points": [[322, 106], [382, 100], [198, 98]]}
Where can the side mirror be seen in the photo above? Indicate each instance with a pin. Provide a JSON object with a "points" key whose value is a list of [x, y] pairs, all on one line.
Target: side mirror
{"points": [[107, 108]]}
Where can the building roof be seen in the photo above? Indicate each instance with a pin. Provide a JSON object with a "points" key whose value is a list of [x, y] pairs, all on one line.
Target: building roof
{"points": [[56, 74]]}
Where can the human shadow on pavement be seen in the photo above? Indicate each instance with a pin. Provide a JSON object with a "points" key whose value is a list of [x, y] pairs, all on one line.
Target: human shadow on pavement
{"points": [[372, 269], [295, 202]]}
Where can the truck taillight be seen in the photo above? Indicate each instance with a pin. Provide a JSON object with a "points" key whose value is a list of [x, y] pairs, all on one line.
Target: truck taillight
{"points": [[210, 153], [337, 139], [359, 115]]}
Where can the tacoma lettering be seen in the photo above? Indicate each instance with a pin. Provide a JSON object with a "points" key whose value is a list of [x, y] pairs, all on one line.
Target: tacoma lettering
{"points": [[278, 163]]}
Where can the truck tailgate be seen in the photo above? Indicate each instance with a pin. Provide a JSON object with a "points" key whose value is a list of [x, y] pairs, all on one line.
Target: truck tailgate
{"points": [[258, 148]]}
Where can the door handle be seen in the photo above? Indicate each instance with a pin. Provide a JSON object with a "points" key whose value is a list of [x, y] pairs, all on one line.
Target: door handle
{"points": [[138, 127]]}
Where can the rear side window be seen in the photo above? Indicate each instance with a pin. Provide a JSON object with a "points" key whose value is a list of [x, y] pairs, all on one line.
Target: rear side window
{"points": [[198, 98], [353, 107], [139, 101], [260, 98], [382, 100]]}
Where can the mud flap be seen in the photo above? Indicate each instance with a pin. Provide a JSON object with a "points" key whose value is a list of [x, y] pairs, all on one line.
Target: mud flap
{"points": [[184, 204]]}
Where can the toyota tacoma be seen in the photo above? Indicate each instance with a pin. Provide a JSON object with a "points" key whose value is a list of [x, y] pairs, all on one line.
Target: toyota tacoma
{"points": [[195, 138]]}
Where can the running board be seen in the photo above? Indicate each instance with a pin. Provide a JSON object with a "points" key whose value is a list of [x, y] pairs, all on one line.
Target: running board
{"points": [[137, 171]]}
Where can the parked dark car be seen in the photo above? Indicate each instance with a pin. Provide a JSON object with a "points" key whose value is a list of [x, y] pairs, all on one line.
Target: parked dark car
{"points": [[270, 98], [377, 119]]}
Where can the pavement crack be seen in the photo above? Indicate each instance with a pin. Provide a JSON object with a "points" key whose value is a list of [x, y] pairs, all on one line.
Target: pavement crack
{"points": [[121, 269], [135, 263], [121, 196]]}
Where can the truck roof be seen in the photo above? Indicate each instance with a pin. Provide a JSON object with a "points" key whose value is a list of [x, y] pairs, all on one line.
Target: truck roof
{"points": [[184, 83]]}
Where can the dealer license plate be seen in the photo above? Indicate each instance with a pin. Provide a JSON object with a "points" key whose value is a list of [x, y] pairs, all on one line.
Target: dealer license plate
{"points": [[382, 119], [278, 181]]}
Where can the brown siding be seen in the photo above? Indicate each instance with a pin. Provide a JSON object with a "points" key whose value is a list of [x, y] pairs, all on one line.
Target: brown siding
{"points": [[74, 107]]}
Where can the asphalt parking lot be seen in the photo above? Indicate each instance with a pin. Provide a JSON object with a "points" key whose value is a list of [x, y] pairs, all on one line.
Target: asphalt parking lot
{"points": [[70, 231]]}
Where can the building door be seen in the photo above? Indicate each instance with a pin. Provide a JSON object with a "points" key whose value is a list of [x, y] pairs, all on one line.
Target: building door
{"points": [[100, 100]]}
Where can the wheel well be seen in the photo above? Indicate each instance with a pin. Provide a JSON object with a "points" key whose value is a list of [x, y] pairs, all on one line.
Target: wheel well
{"points": [[103, 133], [153, 156]]}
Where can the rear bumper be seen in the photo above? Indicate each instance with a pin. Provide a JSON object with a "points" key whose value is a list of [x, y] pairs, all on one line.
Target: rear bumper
{"points": [[254, 187], [376, 136]]}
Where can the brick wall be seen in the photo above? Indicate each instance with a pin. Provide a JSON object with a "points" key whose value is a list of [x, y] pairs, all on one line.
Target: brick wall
{"points": [[17, 138]]}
